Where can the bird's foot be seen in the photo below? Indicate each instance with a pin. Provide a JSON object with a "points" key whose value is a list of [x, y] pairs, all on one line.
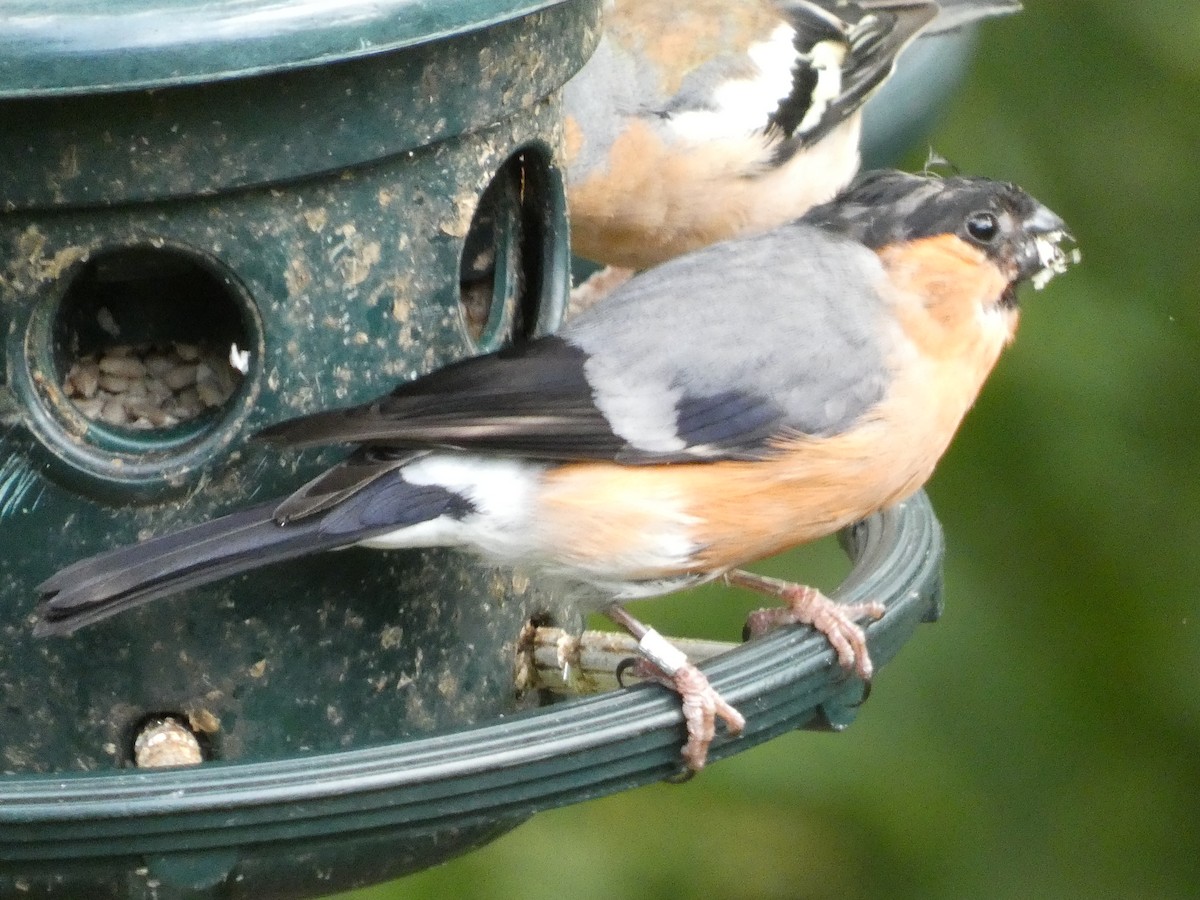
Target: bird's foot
{"points": [[667, 665], [702, 706], [808, 606]]}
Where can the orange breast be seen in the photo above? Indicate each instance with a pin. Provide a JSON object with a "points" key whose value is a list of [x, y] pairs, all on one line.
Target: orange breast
{"points": [[659, 197], [655, 199], [727, 514]]}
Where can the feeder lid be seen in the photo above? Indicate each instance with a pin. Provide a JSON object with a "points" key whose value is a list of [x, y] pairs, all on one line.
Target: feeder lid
{"points": [[85, 46]]}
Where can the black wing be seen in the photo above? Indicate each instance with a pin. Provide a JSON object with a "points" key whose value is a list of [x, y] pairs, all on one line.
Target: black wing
{"points": [[873, 35], [534, 400]]}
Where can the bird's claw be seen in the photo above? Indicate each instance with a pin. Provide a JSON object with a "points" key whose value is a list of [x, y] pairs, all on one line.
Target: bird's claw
{"points": [[808, 606], [702, 706], [629, 662]]}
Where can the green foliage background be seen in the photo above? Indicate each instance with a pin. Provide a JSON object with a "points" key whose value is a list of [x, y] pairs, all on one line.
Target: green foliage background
{"points": [[1043, 739]]}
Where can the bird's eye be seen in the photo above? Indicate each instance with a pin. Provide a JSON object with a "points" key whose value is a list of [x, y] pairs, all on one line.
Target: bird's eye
{"points": [[983, 226]]}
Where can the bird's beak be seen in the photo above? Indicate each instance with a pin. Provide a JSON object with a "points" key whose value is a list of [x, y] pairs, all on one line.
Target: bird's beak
{"points": [[1041, 257], [1045, 221]]}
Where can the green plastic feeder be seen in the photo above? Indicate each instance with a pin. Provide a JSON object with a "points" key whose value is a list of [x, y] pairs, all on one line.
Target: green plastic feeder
{"points": [[337, 196], [351, 193]]}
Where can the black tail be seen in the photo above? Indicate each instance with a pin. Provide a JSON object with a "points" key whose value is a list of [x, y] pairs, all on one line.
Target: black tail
{"points": [[104, 585]]}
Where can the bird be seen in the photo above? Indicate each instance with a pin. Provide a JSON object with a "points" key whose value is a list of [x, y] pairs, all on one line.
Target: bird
{"points": [[736, 401], [698, 120]]}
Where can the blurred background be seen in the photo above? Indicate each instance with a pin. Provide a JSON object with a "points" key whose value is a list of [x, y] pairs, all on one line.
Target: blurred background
{"points": [[1043, 739]]}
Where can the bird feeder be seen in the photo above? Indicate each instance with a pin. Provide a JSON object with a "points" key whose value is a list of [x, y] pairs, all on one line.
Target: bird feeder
{"points": [[215, 217], [218, 216]]}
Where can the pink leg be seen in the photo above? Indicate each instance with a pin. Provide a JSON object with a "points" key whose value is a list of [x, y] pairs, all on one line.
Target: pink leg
{"points": [[702, 705], [808, 606]]}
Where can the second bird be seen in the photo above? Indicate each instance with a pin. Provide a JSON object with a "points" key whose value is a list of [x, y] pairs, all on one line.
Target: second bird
{"points": [[698, 120]]}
